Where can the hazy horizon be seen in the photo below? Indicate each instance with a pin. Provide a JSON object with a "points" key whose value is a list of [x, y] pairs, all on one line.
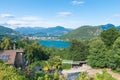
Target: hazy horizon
{"points": [[51, 13]]}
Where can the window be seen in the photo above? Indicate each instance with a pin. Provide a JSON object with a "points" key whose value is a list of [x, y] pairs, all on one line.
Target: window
{"points": [[4, 57]]}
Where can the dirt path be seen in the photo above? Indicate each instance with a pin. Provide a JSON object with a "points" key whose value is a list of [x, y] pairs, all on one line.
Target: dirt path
{"points": [[91, 71]]}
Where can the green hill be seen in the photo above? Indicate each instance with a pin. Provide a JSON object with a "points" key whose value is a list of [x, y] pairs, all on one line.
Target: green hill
{"points": [[7, 32], [83, 32]]}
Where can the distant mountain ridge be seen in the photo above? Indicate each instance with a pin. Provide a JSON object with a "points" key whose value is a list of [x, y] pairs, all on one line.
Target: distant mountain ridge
{"points": [[107, 26], [5, 30], [53, 31], [83, 32], [8, 32]]}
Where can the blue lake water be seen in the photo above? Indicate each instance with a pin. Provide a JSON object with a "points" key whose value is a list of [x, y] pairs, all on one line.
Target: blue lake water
{"points": [[55, 43]]}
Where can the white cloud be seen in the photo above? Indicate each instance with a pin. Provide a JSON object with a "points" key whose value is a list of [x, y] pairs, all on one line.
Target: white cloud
{"points": [[114, 19], [30, 18], [34, 21], [7, 16], [77, 2], [16, 22], [116, 15], [24, 21], [64, 14], [28, 21]]}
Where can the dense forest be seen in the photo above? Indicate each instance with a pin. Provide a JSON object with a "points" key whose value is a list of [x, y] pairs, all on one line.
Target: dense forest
{"points": [[99, 52]]}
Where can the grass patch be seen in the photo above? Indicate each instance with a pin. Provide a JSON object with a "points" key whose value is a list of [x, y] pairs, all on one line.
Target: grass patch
{"points": [[66, 66]]}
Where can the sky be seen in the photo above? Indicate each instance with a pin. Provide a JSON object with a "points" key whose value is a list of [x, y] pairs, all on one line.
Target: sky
{"points": [[51, 13]]}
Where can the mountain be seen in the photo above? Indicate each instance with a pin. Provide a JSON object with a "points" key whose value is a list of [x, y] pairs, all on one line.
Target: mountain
{"points": [[29, 30], [40, 31], [83, 32], [107, 26], [7, 32]]}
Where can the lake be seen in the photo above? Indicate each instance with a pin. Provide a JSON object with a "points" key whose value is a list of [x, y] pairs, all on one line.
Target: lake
{"points": [[55, 43]]}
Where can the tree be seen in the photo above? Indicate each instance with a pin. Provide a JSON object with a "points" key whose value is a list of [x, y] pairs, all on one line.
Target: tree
{"points": [[82, 76], [20, 44], [78, 50], [103, 57], [98, 57], [6, 44], [34, 52], [115, 55], [109, 36], [10, 73], [53, 62]]}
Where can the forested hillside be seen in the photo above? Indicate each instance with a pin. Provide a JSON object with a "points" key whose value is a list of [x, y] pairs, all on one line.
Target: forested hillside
{"points": [[84, 33]]}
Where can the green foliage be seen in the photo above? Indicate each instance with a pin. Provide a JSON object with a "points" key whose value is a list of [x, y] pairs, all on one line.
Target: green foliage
{"points": [[109, 36], [78, 50], [1, 61], [10, 73], [66, 66], [83, 76], [62, 52], [34, 52], [53, 62], [83, 33], [105, 52], [20, 44], [104, 76], [114, 55], [48, 76], [98, 56], [98, 76], [6, 44], [36, 63]]}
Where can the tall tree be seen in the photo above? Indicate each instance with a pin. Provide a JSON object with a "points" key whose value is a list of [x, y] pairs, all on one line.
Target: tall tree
{"points": [[115, 56], [109, 36], [6, 44], [34, 52], [78, 50], [98, 56]]}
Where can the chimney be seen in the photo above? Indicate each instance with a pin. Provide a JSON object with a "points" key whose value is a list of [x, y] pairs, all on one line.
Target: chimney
{"points": [[14, 45]]}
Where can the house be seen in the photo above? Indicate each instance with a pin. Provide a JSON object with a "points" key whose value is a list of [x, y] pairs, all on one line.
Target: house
{"points": [[13, 57]]}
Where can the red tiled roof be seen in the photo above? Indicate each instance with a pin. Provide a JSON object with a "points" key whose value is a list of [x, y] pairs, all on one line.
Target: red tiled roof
{"points": [[12, 55]]}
